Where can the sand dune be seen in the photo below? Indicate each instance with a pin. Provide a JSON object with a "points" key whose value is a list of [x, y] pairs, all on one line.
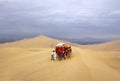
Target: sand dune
{"points": [[108, 46], [40, 41], [33, 63]]}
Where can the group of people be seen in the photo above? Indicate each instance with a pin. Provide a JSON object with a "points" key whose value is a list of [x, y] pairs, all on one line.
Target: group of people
{"points": [[61, 52]]}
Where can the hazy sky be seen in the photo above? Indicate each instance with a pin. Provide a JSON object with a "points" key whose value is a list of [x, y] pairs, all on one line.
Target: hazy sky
{"points": [[62, 18]]}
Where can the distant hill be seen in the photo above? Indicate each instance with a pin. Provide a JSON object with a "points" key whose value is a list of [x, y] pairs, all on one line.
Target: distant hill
{"points": [[85, 41]]}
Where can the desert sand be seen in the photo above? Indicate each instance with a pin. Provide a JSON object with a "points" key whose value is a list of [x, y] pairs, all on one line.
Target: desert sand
{"points": [[29, 60]]}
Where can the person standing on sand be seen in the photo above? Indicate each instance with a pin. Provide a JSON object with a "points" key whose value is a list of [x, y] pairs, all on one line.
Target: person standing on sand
{"points": [[62, 55], [53, 55], [69, 51]]}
